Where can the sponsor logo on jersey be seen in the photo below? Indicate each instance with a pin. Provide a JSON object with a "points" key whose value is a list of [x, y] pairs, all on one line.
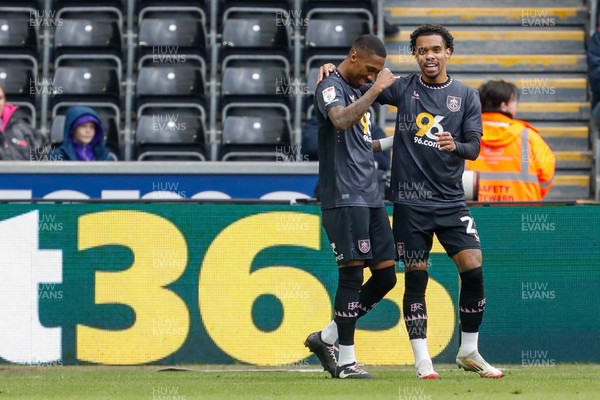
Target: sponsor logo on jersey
{"points": [[453, 103], [364, 245], [351, 97], [415, 95], [329, 95]]}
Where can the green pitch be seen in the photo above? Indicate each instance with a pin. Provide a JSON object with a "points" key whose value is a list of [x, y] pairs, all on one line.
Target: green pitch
{"points": [[239, 382]]}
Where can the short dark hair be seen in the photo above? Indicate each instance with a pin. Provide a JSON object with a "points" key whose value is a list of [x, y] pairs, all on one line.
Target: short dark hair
{"points": [[431, 29], [370, 44], [493, 93]]}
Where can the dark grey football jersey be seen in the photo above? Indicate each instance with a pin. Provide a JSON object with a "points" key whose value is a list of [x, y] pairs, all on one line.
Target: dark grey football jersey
{"points": [[421, 173], [347, 172]]}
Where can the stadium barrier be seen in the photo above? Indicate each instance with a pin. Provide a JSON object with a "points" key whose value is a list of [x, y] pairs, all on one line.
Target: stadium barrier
{"points": [[126, 284]]}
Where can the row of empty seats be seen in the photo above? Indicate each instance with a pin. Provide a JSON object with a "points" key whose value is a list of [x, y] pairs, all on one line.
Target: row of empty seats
{"points": [[245, 98]]}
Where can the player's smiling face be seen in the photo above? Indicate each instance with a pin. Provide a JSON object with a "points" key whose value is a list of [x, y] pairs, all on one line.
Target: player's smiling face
{"points": [[432, 54]]}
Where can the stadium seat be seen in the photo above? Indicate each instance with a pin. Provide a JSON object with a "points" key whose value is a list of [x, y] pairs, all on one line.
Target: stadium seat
{"points": [[121, 5], [32, 4], [255, 31], [204, 5], [309, 5], [336, 33], [17, 34], [170, 132], [171, 82], [18, 76], [90, 82], [172, 31], [255, 79], [331, 31], [251, 132], [83, 34]]}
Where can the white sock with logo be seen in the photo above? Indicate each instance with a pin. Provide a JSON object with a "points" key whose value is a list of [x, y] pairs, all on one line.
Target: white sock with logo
{"points": [[420, 350], [468, 342], [346, 355], [329, 334]]}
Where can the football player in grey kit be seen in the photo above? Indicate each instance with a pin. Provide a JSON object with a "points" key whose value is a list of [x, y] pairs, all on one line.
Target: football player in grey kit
{"points": [[438, 126], [354, 216]]}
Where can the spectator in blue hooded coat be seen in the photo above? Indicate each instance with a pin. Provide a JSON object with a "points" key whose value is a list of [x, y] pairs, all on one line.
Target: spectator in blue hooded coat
{"points": [[83, 138]]}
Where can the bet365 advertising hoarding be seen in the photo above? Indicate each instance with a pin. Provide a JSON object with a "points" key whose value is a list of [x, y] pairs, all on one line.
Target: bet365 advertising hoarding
{"points": [[126, 284]]}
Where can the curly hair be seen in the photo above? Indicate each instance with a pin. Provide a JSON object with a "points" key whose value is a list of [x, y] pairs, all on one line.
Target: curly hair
{"points": [[431, 29]]}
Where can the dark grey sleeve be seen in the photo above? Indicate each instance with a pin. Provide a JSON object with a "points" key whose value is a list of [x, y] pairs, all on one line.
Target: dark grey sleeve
{"points": [[469, 145], [329, 94], [469, 149]]}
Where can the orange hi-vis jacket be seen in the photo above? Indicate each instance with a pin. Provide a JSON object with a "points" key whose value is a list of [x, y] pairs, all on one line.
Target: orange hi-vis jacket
{"points": [[514, 163]]}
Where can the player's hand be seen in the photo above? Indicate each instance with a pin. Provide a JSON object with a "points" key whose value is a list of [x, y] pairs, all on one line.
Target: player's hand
{"points": [[446, 142], [324, 71], [385, 79]]}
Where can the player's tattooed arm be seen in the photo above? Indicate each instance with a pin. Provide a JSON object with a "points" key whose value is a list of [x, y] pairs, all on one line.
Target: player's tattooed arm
{"points": [[345, 117]]}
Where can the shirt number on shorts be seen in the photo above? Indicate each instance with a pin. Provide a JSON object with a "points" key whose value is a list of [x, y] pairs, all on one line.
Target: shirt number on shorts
{"points": [[470, 229]]}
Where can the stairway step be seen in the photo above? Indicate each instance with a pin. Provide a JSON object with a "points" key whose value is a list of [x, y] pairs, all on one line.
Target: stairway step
{"points": [[482, 40], [533, 16], [551, 111], [538, 88], [488, 3], [574, 160], [403, 63], [570, 185], [573, 136]]}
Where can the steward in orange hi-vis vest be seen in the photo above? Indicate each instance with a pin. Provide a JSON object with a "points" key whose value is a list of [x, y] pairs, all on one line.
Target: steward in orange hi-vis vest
{"points": [[514, 163]]}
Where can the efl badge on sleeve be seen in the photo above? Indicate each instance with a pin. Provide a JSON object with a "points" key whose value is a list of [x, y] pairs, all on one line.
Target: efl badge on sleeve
{"points": [[453, 103], [329, 94], [364, 246]]}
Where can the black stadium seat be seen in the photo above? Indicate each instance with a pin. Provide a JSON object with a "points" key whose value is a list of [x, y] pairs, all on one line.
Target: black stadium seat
{"points": [[88, 35], [19, 78], [166, 132], [170, 83], [251, 132], [335, 33], [92, 82], [249, 31], [255, 80], [17, 34], [180, 32]]}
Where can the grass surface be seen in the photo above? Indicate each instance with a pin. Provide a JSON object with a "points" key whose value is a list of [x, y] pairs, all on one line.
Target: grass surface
{"points": [[238, 382]]}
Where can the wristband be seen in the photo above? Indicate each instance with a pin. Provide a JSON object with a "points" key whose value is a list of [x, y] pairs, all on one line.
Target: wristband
{"points": [[386, 143]]}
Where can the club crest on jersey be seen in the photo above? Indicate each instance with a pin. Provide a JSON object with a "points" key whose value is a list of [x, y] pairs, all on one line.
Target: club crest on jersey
{"points": [[329, 95], [453, 103], [364, 245]]}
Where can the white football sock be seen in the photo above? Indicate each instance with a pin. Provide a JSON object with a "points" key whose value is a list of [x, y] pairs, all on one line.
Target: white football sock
{"points": [[420, 350], [468, 342], [329, 334], [346, 355]]}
